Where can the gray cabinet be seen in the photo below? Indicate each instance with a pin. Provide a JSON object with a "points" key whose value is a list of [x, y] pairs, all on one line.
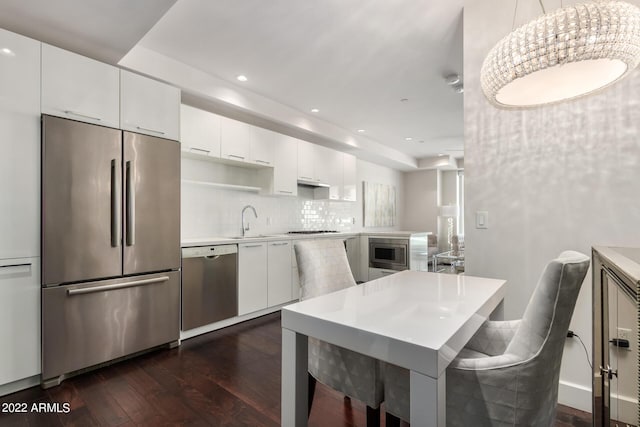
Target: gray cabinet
{"points": [[616, 314]]}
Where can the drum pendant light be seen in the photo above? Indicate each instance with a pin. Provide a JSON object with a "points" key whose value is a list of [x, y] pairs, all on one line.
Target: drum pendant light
{"points": [[571, 52]]}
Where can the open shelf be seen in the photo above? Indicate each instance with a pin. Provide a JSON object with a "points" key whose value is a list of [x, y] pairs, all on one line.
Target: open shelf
{"points": [[223, 186]]}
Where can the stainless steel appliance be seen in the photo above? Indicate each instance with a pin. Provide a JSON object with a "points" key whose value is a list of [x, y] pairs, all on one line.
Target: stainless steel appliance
{"points": [[389, 253], [209, 285], [616, 342], [110, 245]]}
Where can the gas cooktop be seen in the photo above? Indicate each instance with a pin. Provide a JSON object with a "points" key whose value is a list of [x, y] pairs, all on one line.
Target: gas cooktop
{"points": [[312, 231]]}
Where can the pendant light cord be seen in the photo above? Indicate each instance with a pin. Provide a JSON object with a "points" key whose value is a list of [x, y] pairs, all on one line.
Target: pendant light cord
{"points": [[544, 12], [515, 11]]}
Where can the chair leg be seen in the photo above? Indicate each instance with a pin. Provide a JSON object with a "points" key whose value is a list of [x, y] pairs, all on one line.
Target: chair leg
{"points": [[391, 420], [373, 417], [311, 390]]}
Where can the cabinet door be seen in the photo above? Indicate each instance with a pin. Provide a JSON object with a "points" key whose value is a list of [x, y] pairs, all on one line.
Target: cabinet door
{"points": [[349, 179], [330, 172], [261, 149], [252, 277], [19, 319], [307, 161], [199, 131], [235, 139], [279, 271], [285, 167], [19, 147], [79, 88], [148, 106]]}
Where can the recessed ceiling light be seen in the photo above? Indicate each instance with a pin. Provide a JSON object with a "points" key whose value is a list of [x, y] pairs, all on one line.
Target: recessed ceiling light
{"points": [[242, 78], [7, 52], [408, 138], [315, 110], [360, 130], [441, 154]]}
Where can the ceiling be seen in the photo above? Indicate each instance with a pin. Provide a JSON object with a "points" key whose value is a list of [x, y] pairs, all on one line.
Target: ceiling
{"points": [[353, 60]]}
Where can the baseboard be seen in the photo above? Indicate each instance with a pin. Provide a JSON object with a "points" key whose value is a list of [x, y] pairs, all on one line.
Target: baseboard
{"points": [[575, 395], [579, 397], [19, 385], [228, 322]]}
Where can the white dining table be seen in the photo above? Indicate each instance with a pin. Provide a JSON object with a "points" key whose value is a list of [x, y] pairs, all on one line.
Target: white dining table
{"points": [[413, 319]]}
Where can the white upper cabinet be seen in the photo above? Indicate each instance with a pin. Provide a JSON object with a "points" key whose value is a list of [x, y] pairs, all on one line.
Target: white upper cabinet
{"points": [[148, 106], [332, 172], [19, 146], [235, 139], [307, 159], [199, 131], [79, 88], [285, 171], [261, 146], [349, 180]]}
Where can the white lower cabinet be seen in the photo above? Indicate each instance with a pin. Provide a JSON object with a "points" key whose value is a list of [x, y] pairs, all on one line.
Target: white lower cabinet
{"points": [[19, 319], [252, 277], [279, 273]]}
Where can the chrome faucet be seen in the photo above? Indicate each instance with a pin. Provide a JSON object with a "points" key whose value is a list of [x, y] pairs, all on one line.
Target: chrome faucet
{"points": [[247, 226]]}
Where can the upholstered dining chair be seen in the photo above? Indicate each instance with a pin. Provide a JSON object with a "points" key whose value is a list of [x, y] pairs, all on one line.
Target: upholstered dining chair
{"points": [[323, 268], [508, 373]]}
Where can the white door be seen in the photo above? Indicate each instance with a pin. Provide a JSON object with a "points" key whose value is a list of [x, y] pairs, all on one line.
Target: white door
{"points": [[148, 106], [235, 139], [199, 131], [19, 319], [279, 267], [252, 277], [285, 171], [19, 146], [79, 88]]}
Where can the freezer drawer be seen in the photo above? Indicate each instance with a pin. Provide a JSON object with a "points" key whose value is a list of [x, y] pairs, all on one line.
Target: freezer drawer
{"points": [[88, 324]]}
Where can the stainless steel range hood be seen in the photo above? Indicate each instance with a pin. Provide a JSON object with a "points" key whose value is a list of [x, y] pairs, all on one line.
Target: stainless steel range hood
{"points": [[312, 183]]}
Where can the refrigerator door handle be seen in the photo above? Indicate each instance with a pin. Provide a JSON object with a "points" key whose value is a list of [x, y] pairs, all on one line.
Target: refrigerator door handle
{"points": [[131, 206], [114, 286], [115, 206]]}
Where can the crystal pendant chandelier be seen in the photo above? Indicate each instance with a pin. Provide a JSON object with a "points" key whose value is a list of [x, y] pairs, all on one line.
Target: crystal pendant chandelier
{"points": [[563, 55]]}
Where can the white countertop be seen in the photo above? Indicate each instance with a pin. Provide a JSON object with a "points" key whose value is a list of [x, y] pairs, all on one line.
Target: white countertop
{"points": [[225, 240], [222, 240], [437, 313]]}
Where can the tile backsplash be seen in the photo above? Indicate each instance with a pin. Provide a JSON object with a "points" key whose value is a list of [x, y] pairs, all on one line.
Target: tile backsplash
{"points": [[209, 211]]}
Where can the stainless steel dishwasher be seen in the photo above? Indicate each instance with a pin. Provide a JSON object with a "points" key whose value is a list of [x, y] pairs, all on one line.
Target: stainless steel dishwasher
{"points": [[209, 285]]}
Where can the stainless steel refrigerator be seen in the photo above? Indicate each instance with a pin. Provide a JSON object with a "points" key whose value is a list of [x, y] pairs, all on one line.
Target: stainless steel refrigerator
{"points": [[110, 245]]}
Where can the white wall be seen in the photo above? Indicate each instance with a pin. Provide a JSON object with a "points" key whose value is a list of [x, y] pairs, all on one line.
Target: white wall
{"points": [[554, 178], [421, 203], [209, 212]]}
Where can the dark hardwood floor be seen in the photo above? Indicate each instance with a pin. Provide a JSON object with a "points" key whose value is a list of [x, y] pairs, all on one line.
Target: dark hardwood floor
{"points": [[229, 377]]}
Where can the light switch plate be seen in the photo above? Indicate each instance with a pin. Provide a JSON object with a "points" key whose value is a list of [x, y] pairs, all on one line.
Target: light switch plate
{"points": [[482, 219]]}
